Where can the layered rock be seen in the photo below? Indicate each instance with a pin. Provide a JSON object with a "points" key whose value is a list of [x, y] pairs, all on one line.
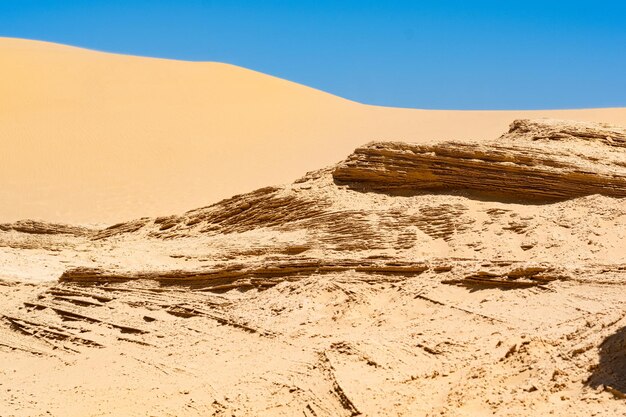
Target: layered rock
{"points": [[523, 164], [559, 130], [420, 304], [44, 228]]}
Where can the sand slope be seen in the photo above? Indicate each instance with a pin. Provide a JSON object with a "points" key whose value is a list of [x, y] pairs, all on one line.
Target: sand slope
{"points": [[95, 137]]}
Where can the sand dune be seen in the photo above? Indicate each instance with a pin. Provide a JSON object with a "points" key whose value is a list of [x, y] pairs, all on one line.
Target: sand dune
{"points": [[91, 137]]}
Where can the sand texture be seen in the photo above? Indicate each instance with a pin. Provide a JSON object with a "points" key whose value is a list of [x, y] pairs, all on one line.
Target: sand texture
{"points": [[437, 278], [95, 138]]}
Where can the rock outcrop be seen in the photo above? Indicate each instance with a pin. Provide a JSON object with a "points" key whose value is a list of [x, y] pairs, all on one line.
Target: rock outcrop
{"points": [[566, 130], [43, 228], [524, 164], [319, 298]]}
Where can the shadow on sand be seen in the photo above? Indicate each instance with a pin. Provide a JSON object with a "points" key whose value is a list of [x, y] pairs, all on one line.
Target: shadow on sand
{"points": [[611, 370]]}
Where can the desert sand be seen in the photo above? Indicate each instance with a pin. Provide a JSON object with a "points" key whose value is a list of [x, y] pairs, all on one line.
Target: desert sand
{"points": [[449, 278], [197, 239], [91, 137]]}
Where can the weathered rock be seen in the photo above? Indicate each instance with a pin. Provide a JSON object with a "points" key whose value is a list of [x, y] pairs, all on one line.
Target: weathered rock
{"points": [[329, 301], [559, 130], [43, 228], [240, 276], [517, 166]]}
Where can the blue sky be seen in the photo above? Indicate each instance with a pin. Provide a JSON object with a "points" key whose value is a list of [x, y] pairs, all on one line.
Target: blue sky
{"points": [[426, 54]]}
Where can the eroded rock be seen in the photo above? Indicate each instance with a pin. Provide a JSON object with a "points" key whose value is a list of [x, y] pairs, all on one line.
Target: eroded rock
{"points": [[518, 166]]}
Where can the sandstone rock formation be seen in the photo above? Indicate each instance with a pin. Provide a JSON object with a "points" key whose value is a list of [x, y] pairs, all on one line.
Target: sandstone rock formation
{"points": [[442, 279], [539, 161]]}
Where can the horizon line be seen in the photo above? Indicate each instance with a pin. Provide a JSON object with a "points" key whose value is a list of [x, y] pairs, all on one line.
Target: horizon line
{"points": [[192, 61]]}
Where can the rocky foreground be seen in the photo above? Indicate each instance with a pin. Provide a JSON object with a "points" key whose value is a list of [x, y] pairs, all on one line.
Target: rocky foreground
{"points": [[420, 280]]}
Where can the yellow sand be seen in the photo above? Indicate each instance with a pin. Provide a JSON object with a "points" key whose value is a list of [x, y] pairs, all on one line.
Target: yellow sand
{"points": [[91, 137]]}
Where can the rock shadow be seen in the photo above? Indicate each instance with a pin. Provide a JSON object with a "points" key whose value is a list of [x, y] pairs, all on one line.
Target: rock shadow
{"points": [[494, 196], [611, 370]]}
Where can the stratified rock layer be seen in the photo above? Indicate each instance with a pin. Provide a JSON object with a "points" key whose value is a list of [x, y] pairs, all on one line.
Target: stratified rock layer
{"points": [[535, 160]]}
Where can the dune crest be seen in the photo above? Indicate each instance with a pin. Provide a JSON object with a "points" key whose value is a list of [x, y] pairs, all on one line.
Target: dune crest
{"points": [[92, 137]]}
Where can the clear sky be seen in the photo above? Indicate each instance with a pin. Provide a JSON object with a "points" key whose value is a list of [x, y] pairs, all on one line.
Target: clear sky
{"points": [[504, 54]]}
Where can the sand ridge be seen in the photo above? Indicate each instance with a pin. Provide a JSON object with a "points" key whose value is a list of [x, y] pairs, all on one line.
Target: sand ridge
{"points": [[91, 137]]}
